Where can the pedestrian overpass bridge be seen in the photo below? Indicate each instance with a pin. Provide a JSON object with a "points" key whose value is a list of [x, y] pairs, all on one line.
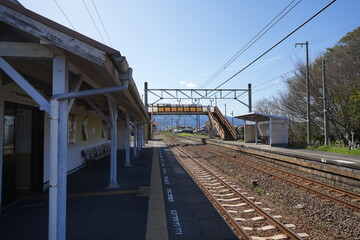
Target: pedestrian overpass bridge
{"points": [[216, 118]]}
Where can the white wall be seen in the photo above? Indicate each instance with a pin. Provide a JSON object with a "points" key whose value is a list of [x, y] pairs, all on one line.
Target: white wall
{"points": [[279, 132], [13, 93], [74, 158]]}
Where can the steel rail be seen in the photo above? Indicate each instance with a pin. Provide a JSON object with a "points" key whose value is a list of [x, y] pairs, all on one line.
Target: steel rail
{"points": [[323, 185], [262, 212], [231, 158], [238, 230], [330, 188], [326, 186]]}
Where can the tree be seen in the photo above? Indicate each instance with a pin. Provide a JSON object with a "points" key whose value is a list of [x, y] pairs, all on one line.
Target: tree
{"points": [[343, 85]]}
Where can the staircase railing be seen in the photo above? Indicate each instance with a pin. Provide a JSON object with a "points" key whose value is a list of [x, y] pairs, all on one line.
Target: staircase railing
{"points": [[216, 124], [226, 123]]}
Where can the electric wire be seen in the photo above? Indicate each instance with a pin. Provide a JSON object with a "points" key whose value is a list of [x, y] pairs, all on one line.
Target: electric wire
{"points": [[290, 53], [334, 34], [241, 51], [255, 87], [272, 79], [251, 42], [284, 59], [64, 15], [87, 9], [329, 61], [267, 51], [102, 24]]}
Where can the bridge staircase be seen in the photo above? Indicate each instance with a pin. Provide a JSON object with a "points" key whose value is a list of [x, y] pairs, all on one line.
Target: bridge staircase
{"points": [[222, 125]]}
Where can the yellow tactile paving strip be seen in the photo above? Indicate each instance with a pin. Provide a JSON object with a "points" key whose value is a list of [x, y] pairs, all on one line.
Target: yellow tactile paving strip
{"points": [[91, 194], [156, 227]]}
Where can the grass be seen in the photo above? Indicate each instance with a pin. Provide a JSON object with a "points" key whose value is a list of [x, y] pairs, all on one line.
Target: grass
{"points": [[342, 150], [193, 135], [239, 178]]}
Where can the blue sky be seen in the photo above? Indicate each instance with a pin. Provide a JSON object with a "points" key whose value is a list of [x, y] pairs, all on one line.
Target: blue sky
{"points": [[182, 43]]}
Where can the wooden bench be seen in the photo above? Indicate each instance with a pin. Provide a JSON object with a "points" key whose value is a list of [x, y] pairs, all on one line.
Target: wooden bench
{"points": [[263, 140], [95, 153]]}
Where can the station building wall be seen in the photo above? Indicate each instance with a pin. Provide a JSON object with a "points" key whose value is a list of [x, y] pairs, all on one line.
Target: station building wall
{"points": [[97, 130], [85, 129]]}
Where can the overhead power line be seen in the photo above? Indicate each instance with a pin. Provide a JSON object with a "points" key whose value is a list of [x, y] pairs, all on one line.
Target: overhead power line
{"points": [[275, 44], [254, 88], [87, 9], [272, 79], [102, 24], [64, 15], [252, 41]]}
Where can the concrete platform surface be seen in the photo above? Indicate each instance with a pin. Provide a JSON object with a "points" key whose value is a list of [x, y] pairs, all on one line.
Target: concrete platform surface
{"points": [[139, 209], [93, 211], [346, 160], [190, 215]]}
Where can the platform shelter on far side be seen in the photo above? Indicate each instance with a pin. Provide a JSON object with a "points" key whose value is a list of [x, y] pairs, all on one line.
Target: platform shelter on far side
{"points": [[265, 128]]}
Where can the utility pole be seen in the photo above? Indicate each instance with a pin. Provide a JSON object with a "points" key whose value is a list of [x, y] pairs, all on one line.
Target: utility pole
{"points": [[249, 96], [225, 110], [232, 118], [325, 101], [307, 90]]}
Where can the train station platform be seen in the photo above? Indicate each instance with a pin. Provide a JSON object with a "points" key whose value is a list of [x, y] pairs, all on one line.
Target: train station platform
{"points": [[333, 158], [340, 167], [156, 199]]}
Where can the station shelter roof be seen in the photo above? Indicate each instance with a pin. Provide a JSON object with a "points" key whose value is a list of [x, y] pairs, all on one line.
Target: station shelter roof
{"points": [[100, 66], [259, 117]]}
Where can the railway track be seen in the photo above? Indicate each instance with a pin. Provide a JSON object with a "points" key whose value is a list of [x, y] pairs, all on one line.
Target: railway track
{"points": [[337, 195], [247, 219]]}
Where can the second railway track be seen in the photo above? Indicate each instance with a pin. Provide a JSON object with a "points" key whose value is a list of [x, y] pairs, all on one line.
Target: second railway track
{"points": [[330, 192]]}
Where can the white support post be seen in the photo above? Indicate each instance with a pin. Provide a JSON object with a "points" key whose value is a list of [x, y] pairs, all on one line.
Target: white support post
{"points": [[143, 135], [53, 175], [256, 132], [270, 130], [135, 139], [127, 141], [113, 160], [245, 131], [1, 147], [60, 86], [140, 138]]}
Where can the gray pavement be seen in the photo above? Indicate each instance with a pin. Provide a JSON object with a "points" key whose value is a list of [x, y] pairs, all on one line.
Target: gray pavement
{"points": [[190, 215], [338, 159], [96, 213], [93, 211]]}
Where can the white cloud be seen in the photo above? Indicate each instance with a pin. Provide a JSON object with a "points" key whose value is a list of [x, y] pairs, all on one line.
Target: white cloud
{"points": [[187, 84], [272, 59], [190, 85]]}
